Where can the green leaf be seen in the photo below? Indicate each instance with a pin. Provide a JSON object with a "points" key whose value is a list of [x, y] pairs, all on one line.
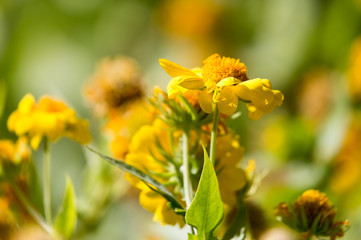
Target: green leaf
{"points": [[150, 181], [66, 219], [237, 230], [206, 210]]}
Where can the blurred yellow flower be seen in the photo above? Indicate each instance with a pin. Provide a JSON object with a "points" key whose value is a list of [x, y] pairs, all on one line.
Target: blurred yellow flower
{"points": [[315, 95], [7, 220], [223, 82], [116, 92], [123, 124], [347, 165], [49, 118], [354, 73], [201, 16], [15, 153], [116, 82], [312, 214], [231, 178]]}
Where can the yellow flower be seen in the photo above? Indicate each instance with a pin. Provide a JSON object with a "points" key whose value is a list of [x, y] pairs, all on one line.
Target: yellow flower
{"points": [[231, 178], [122, 125], [49, 118], [347, 165], [312, 214], [150, 150], [223, 82], [144, 154], [14, 153], [201, 16]]}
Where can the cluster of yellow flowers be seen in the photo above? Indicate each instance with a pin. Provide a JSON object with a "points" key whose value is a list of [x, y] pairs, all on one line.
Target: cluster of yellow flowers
{"points": [[14, 152], [154, 150], [165, 138], [49, 118]]}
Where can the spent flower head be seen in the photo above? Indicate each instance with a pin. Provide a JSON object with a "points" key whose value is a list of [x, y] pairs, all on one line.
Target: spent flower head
{"points": [[116, 82], [48, 118], [223, 82], [312, 214]]}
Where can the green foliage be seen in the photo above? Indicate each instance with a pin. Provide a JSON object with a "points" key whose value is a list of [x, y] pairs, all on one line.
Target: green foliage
{"points": [[66, 219], [150, 181], [206, 210], [2, 96]]}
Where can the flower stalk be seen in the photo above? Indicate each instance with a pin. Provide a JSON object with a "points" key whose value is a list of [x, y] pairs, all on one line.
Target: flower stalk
{"points": [[31, 210], [188, 192], [214, 135], [187, 183], [47, 182]]}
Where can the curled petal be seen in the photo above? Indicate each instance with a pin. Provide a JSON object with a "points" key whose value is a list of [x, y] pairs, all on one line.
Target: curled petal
{"points": [[229, 105], [229, 81], [206, 101], [190, 82], [174, 89], [253, 112], [175, 70], [260, 94]]}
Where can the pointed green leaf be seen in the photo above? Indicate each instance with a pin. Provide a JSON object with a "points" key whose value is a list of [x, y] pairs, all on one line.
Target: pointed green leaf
{"points": [[206, 210], [66, 219], [150, 181]]}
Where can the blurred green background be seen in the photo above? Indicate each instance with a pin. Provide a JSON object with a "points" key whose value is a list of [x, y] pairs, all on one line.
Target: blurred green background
{"points": [[304, 47]]}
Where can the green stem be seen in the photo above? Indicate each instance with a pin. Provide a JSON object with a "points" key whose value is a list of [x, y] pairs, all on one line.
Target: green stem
{"points": [[187, 184], [47, 183], [214, 135], [31, 210], [188, 192]]}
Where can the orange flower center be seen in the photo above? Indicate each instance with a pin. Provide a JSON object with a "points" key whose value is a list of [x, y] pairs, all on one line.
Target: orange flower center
{"points": [[216, 68]]}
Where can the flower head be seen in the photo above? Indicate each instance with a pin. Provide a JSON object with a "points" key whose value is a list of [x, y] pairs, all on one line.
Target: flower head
{"points": [[49, 118], [312, 214], [223, 82], [116, 82], [14, 152]]}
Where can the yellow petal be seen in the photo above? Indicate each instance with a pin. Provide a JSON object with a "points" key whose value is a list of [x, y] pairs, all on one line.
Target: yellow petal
{"points": [[229, 106], [229, 81], [210, 85], [259, 92], [191, 82], [206, 101], [27, 104], [35, 141], [223, 94], [175, 70], [231, 179], [253, 112], [173, 89]]}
